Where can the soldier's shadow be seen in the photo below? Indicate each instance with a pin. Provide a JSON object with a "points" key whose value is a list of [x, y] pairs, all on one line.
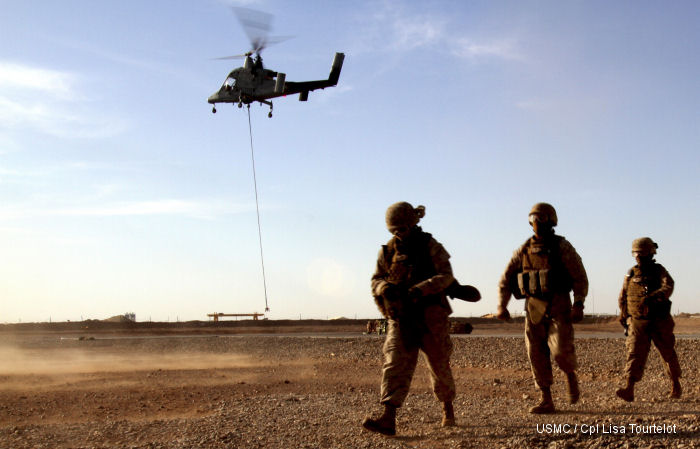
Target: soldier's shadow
{"points": [[453, 432]]}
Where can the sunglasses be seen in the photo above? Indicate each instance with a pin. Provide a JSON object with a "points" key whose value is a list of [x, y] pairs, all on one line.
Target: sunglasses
{"points": [[532, 218]]}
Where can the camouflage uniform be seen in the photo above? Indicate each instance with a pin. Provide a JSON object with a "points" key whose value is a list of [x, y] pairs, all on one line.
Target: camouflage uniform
{"points": [[554, 268], [644, 303], [423, 263]]}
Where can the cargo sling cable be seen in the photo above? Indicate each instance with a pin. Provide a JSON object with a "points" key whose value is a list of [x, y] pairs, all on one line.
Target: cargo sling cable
{"points": [[257, 209]]}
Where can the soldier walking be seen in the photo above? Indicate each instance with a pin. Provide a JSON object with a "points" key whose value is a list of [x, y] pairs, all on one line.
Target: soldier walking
{"points": [[543, 271], [413, 270], [645, 311]]}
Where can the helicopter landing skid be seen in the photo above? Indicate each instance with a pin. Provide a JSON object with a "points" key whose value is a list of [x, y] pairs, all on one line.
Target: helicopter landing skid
{"points": [[269, 103]]}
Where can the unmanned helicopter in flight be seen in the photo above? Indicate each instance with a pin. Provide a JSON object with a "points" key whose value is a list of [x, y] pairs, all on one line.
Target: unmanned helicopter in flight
{"points": [[253, 82]]}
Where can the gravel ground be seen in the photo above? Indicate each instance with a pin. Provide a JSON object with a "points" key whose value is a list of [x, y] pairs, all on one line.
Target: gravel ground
{"points": [[313, 392]]}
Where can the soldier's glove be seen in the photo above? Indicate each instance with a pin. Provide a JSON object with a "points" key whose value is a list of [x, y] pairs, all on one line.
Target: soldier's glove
{"points": [[414, 294], [393, 296], [577, 312], [463, 292], [658, 305], [652, 300], [503, 314], [393, 293], [623, 320]]}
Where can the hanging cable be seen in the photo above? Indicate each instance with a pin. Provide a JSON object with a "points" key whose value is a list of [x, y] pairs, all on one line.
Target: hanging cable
{"points": [[257, 209]]}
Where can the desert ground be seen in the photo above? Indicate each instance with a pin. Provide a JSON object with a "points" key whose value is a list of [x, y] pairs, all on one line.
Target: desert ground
{"points": [[309, 384]]}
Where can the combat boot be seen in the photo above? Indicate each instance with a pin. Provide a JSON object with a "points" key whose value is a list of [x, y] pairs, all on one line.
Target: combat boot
{"points": [[546, 404], [675, 388], [626, 393], [385, 424], [448, 414], [574, 392]]}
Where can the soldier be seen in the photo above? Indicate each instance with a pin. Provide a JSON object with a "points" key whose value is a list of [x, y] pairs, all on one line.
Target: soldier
{"points": [[371, 327], [543, 270], [412, 272], [645, 310]]}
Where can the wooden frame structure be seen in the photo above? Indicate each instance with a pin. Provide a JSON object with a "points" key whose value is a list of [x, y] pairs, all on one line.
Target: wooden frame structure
{"points": [[216, 316]]}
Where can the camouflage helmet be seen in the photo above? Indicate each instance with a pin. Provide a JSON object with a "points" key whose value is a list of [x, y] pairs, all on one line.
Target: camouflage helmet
{"points": [[644, 246], [545, 211], [403, 214]]}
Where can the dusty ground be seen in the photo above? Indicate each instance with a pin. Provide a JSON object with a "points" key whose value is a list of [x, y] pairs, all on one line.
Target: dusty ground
{"points": [[284, 389]]}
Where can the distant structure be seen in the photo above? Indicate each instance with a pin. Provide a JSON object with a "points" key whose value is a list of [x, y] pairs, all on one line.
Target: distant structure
{"points": [[129, 317], [216, 316]]}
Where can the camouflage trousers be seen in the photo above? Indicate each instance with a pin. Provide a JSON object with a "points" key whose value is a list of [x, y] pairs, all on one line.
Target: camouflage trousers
{"points": [[401, 349], [641, 334], [553, 336]]}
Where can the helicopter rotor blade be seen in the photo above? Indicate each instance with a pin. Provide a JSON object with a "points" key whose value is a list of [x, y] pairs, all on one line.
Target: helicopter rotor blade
{"points": [[230, 57], [257, 26]]}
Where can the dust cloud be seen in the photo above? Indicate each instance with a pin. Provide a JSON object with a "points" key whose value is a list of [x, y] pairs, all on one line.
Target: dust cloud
{"points": [[16, 361]]}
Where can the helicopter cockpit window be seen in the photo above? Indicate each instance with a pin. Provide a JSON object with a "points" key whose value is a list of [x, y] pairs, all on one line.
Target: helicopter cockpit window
{"points": [[229, 83]]}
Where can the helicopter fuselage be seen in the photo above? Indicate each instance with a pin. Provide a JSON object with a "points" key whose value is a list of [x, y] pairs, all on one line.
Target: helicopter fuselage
{"points": [[253, 82], [245, 86]]}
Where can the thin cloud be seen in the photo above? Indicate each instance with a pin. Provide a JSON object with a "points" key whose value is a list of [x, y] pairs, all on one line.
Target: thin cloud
{"points": [[49, 101], [498, 49], [395, 29], [145, 64], [392, 29], [178, 207], [54, 83], [42, 172], [410, 33], [7, 144]]}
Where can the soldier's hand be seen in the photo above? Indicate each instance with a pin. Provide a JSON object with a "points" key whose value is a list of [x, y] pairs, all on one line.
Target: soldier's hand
{"points": [[392, 293], [503, 314], [394, 310], [657, 299], [623, 320], [391, 302], [577, 312], [414, 294]]}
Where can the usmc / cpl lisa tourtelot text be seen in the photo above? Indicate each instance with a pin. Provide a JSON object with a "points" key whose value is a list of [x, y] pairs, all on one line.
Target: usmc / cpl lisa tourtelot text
{"points": [[605, 428]]}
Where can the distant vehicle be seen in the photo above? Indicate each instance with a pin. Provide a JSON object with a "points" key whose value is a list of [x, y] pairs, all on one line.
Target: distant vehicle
{"points": [[253, 82]]}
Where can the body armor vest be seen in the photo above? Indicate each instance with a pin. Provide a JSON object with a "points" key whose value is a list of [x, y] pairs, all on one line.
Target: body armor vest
{"points": [[410, 263], [639, 284], [542, 270]]}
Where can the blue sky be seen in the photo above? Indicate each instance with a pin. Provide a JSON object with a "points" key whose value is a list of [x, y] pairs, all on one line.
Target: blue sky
{"points": [[120, 191]]}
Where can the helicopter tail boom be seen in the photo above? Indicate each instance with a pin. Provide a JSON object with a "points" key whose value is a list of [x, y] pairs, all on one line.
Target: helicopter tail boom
{"points": [[303, 88]]}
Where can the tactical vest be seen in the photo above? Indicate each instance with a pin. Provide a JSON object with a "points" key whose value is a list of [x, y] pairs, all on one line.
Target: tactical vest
{"points": [[410, 262], [542, 269], [639, 284]]}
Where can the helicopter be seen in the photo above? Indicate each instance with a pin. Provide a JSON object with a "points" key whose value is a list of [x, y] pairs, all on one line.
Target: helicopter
{"points": [[253, 82]]}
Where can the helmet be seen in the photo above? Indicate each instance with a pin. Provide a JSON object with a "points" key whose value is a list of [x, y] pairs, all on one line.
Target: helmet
{"points": [[403, 214], [545, 212], [644, 246]]}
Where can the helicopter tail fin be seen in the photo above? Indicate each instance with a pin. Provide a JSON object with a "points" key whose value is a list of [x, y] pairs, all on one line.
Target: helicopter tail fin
{"points": [[279, 83], [335, 69]]}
